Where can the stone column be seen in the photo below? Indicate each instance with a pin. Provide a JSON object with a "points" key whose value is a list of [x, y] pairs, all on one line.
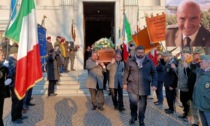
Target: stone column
{"points": [[79, 29]]}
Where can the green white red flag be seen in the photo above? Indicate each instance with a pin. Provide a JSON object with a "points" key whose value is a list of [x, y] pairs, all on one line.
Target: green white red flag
{"points": [[23, 30], [127, 37]]}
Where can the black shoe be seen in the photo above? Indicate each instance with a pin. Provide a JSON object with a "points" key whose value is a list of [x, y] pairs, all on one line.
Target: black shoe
{"points": [[116, 108], [94, 107], [132, 121], [53, 94], [155, 102], [195, 125], [58, 84], [23, 117], [25, 108], [101, 108], [121, 109], [30, 104], [182, 116], [158, 103], [141, 124], [18, 121], [169, 112]]}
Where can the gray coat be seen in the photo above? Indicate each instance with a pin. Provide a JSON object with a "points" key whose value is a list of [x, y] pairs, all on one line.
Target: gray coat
{"points": [[116, 74], [183, 74], [139, 79], [95, 75], [52, 67]]}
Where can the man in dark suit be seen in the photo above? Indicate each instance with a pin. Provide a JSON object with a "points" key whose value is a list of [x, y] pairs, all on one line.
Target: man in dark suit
{"points": [[188, 31], [140, 74]]}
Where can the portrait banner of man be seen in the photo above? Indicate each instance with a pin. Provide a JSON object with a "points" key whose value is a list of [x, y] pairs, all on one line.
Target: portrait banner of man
{"points": [[187, 24]]}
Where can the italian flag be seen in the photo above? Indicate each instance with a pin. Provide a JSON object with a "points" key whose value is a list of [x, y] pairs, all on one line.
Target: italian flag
{"points": [[127, 37], [23, 30], [153, 55]]}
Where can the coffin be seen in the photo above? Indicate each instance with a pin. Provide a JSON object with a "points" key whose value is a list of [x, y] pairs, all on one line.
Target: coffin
{"points": [[106, 55]]}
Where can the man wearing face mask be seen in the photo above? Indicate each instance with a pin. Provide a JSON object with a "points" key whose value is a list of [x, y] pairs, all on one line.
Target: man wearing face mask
{"points": [[140, 74]]}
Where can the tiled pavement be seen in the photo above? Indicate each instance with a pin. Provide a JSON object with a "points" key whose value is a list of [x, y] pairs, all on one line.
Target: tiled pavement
{"points": [[76, 111]]}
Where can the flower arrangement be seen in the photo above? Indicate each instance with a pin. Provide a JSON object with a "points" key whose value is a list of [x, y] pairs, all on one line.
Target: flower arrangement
{"points": [[103, 43]]}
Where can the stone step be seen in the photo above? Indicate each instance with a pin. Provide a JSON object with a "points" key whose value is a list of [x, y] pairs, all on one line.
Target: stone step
{"points": [[42, 83], [65, 78], [65, 74], [60, 87]]}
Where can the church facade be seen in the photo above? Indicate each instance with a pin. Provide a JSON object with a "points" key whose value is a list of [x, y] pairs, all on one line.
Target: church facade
{"points": [[61, 14]]}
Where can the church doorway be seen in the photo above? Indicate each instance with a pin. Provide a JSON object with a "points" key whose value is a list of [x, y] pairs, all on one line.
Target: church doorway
{"points": [[98, 22]]}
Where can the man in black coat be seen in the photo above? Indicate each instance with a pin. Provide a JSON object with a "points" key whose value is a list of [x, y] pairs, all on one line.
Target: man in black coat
{"points": [[160, 71], [3, 75], [170, 81], [140, 72]]}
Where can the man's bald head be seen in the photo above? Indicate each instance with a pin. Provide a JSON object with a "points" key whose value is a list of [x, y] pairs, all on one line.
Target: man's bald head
{"points": [[191, 4], [188, 17]]}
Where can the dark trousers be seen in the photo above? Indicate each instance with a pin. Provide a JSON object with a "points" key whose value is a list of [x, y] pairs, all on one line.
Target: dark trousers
{"points": [[27, 99], [51, 87], [97, 95], [17, 106], [137, 102], [170, 97], [117, 93], [205, 118], [185, 99], [72, 58], [159, 91], [106, 78], [1, 111]]}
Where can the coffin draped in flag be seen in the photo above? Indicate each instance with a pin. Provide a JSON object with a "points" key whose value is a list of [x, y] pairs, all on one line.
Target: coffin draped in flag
{"points": [[23, 30]]}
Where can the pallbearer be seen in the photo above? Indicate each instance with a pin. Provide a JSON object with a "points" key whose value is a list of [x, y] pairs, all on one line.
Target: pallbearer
{"points": [[95, 81], [116, 75]]}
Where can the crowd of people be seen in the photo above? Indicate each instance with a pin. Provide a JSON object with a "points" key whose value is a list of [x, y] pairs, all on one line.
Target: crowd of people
{"points": [[188, 75], [8, 72], [57, 61]]}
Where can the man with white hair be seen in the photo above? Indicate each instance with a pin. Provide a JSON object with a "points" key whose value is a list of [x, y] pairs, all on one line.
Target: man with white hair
{"points": [[188, 31]]}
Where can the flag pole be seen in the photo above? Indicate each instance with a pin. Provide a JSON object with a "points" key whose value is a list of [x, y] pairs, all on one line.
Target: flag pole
{"points": [[11, 13], [123, 20], [137, 27]]}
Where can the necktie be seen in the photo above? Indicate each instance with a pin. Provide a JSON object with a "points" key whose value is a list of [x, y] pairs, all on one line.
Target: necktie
{"points": [[187, 41]]}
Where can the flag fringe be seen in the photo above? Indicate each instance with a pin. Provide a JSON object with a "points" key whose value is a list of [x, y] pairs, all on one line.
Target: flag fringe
{"points": [[17, 94]]}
